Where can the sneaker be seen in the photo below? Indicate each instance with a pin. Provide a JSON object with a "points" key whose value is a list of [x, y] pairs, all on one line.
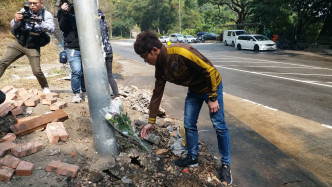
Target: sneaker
{"points": [[188, 161], [85, 96], [46, 90], [76, 98], [226, 174]]}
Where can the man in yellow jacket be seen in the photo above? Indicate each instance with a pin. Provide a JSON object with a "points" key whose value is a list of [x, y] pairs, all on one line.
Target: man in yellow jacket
{"points": [[182, 64]]}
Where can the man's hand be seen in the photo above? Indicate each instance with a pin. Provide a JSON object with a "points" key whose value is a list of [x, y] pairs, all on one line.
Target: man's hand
{"points": [[146, 130], [213, 106], [64, 7], [18, 17]]}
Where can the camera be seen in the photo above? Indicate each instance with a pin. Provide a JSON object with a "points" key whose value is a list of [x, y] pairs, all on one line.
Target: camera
{"points": [[27, 16]]}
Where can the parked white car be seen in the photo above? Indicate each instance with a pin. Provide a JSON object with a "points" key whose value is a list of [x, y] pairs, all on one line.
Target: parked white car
{"points": [[164, 39], [189, 39], [254, 42], [229, 36], [176, 38]]}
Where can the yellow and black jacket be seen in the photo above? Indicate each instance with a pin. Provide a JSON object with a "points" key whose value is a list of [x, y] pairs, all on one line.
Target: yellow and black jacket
{"points": [[182, 64]]}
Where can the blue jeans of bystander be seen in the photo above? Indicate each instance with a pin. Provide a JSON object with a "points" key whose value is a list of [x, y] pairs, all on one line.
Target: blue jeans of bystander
{"points": [[193, 105], [77, 77]]}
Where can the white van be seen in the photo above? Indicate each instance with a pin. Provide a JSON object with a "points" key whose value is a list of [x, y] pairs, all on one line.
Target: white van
{"points": [[230, 36]]}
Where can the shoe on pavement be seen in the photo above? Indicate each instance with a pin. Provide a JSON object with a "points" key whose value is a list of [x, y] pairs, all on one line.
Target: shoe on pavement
{"points": [[76, 98], [226, 174], [46, 90], [188, 161], [85, 96]]}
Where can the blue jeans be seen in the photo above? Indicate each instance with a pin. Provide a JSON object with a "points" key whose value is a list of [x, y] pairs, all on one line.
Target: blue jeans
{"points": [[77, 77], [193, 106]]}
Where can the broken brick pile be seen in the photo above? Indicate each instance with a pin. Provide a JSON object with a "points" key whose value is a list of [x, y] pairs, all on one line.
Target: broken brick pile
{"points": [[17, 98], [11, 152]]}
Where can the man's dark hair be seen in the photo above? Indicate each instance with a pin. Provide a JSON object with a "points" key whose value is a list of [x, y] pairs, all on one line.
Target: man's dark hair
{"points": [[145, 41], [2, 97]]}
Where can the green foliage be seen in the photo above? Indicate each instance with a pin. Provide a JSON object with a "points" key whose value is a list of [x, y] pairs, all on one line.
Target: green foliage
{"points": [[305, 18]]}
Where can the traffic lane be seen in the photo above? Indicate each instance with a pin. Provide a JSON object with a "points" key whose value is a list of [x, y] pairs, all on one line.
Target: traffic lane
{"points": [[125, 48], [273, 68], [255, 161], [310, 101]]}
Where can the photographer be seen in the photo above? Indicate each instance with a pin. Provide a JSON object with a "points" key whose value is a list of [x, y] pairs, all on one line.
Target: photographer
{"points": [[29, 27], [67, 24]]}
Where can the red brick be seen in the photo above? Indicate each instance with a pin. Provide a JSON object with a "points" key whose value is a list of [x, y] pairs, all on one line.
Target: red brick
{"points": [[24, 119], [62, 168], [5, 108], [48, 101], [24, 168], [27, 149], [6, 173], [7, 89], [39, 122], [52, 95], [33, 91], [10, 161], [56, 131], [9, 137], [21, 91], [19, 102], [58, 105], [5, 147], [11, 95], [32, 101], [17, 111]]}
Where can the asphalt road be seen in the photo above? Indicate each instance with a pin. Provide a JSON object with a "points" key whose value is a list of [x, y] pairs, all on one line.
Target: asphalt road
{"points": [[293, 83], [290, 82]]}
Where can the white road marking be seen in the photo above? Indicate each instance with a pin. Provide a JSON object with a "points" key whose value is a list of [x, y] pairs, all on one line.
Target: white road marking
{"points": [[327, 126], [323, 75], [270, 108], [257, 73], [285, 63]]}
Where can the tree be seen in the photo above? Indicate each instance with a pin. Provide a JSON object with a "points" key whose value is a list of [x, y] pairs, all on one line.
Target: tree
{"points": [[240, 7]]}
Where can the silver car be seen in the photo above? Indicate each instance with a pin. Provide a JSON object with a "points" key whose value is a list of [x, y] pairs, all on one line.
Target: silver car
{"points": [[163, 39], [189, 39], [176, 38]]}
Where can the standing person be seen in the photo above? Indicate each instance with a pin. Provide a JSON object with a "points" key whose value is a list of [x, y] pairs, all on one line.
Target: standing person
{"points": [[108, 51], [67, 24], [183, 65], [28, 25]]}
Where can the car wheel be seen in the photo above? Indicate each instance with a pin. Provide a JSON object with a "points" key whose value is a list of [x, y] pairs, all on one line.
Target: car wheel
{"points": [[238, 46], [256, 48], [225, 43], [233, 44]]}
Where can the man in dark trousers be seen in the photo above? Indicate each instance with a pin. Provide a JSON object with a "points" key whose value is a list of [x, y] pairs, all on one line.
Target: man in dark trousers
{"points": [[183, 65], [108, 52], [25, 30]]}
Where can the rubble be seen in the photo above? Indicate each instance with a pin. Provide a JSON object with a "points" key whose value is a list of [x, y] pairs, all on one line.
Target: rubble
{"points": [[70, 159]]}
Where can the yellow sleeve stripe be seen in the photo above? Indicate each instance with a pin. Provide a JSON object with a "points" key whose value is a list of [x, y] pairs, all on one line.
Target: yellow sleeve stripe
{"points": [[152, 120], [191, 56]]}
